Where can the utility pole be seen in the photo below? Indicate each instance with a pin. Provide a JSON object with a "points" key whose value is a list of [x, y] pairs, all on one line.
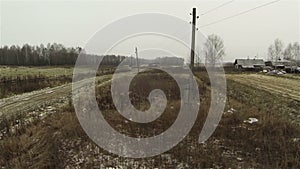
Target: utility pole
{"points": [[137, 59], [194, 14]]}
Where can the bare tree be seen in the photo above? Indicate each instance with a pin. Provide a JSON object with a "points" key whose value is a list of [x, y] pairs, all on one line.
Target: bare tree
{"points": [[288, 52], [292, 51], [296, 51], [271, 52], [214, 49], [275, 51]]}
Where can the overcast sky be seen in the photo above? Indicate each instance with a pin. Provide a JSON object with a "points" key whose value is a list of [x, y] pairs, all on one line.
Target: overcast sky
{"points": [[73, 23]]}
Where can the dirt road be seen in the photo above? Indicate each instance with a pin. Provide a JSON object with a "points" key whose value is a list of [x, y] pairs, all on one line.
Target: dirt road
{"points": [[286, 87], [35, 99]]}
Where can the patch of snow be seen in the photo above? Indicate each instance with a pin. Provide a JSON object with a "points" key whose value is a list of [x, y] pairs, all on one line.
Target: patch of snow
{"points": [[251, 120]]}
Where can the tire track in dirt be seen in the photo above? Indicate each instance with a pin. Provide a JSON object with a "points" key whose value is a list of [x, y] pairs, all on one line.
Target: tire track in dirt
{"points": [[32, 100]]}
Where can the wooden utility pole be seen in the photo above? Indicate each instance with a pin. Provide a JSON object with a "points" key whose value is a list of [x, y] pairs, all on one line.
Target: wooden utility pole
{"points": [[194, 14], [137, 59]]}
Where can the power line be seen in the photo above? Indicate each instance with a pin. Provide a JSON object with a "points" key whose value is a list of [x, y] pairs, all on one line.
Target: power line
{"points": [[213, 9], [241, 13]]}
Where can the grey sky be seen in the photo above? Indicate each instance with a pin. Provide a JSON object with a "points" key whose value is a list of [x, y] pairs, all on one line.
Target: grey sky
{"points": [[72, 23]]}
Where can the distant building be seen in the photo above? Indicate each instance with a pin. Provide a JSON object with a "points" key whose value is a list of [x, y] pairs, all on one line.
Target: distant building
{"points": [[290, 66], [249, 64], [280, 64]]}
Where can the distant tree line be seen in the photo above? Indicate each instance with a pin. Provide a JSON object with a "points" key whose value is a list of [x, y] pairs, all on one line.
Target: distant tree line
{"points": [[49, 55]]}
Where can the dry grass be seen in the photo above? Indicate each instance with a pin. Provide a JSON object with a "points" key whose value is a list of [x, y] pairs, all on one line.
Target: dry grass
{"points": [[37, 145], [270, 143], [34, 147], [20, 71]]}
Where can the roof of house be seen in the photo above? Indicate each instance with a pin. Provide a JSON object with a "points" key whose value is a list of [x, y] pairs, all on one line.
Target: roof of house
{"points": [[249, 63], [283, 62]]}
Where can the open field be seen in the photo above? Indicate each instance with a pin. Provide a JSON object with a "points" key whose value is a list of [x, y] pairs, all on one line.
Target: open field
{"points": [[13, 72], [44, 71], [286, 86], [56, 140], [18, 80]]}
